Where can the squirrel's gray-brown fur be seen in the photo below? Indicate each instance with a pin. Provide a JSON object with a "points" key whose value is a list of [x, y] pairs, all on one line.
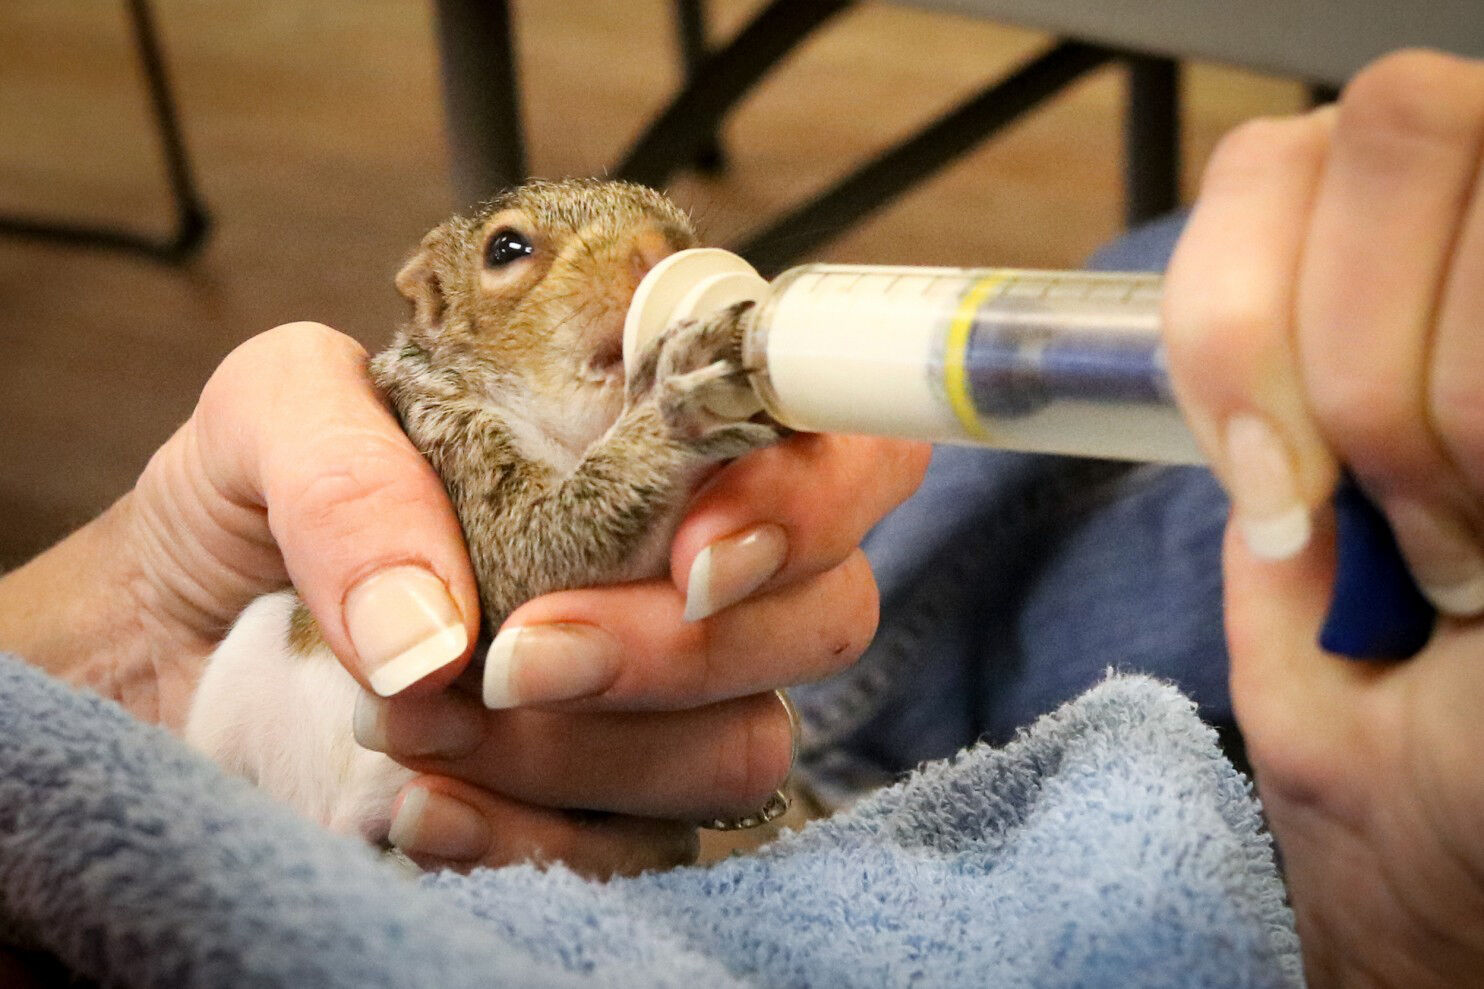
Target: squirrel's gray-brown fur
{"points": [[510, 381], [564, 470]]}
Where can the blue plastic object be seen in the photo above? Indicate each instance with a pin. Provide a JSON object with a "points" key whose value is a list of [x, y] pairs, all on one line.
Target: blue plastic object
{"points": [[1377, 611]]}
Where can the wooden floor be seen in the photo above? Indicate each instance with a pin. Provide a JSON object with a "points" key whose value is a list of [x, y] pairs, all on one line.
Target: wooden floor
{"points": [[316, 131]]}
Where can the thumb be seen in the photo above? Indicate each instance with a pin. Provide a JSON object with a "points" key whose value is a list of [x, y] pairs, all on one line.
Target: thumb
{"points": [[1295, 703], [291, 425]]}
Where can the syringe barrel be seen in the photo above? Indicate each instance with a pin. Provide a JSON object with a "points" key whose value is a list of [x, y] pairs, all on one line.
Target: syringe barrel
{"points": [[1053, 362]]}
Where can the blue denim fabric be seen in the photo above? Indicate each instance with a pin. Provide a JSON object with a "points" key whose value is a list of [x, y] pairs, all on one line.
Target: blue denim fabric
{"points": [[1011, 583]]}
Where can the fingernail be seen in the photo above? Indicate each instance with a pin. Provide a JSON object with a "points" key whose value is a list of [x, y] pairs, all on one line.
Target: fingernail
{"points": [[404, 625], [1443, 555], [423, 727], [1264, 489], [437, 825], [369, 722], [733, 567], [539, 664]]}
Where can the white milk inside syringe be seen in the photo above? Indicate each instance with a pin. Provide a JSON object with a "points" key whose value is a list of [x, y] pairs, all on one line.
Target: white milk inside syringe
{"points": [[1055, 362]]}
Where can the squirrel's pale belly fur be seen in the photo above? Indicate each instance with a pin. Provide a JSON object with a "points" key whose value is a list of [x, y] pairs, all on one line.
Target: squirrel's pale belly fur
{"points": [[283, 721], [564, 471]]}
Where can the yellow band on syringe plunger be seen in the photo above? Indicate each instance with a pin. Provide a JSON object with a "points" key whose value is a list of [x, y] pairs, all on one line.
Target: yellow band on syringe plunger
{"points": [[956, 384]]}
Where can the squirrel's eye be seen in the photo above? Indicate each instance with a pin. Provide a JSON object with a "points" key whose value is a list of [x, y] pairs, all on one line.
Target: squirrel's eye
{"points": [[505, 247]]}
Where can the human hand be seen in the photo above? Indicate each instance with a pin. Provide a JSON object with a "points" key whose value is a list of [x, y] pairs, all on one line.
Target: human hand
{"points": [[614, 703], [1325, 307], [292, 467]]}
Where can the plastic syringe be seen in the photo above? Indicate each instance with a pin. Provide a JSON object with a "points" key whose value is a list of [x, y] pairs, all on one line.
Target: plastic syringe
{"points": [[1041, 361]]}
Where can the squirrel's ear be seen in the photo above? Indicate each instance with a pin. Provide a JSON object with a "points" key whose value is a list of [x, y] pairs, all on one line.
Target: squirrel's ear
{"points": [[419, 284]]}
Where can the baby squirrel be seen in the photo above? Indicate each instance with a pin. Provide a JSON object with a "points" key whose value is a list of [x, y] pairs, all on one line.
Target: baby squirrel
{"points": [[564, 470]]}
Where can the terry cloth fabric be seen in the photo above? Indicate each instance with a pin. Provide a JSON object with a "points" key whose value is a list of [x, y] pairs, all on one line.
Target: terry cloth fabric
{"points": [[1108, 845]]}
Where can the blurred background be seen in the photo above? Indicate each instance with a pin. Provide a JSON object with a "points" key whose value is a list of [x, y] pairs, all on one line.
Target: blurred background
{"points": [[316, 136]]}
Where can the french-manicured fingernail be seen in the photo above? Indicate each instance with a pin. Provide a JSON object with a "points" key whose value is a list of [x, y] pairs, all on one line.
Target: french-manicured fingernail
{"points": [[437, 825], [424, 727], [1264, 489], [539, 664], [1443, 555], [404, 625], [733, 567]]}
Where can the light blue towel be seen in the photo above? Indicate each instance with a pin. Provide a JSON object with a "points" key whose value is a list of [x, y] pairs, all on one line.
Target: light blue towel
{"points": [[1109, 845]]}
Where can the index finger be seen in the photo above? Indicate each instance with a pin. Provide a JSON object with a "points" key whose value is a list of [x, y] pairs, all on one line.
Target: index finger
{"points": [[1228, 304], [787, 512]]}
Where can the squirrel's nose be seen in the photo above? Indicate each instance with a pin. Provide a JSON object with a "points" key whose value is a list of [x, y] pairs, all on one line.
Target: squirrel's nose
{"points": [[648, 249]]}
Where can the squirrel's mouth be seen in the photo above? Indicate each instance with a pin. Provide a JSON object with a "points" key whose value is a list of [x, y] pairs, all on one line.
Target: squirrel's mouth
{"points": [[609, 356], [605, 366]]}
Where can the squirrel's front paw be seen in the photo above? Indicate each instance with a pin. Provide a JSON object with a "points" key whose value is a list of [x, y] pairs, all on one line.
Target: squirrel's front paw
{"points": [[687, 368], [689, 345], [734, 439]]}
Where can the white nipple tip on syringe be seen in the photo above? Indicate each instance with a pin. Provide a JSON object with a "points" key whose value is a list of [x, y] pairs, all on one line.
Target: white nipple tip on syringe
{"points": [[690, 284], [693, 284]]}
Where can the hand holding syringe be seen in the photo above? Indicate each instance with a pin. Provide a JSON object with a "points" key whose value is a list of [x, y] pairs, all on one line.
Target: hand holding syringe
{"points": [[1051, 362]]}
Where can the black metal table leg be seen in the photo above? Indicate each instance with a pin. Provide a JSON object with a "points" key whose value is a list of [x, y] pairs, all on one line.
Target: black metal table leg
{"points": [[874, 184], [690, 25], [674, 137], [1152, 138], [192, 221], [481, 97], [1321, 93]]}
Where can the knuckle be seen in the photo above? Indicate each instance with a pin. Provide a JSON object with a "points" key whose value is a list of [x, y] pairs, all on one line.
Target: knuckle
{"points": [[1226, 318], [1219, 326], [1413, 97], [1255, 150], [1364, 413], [330, 484]]}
